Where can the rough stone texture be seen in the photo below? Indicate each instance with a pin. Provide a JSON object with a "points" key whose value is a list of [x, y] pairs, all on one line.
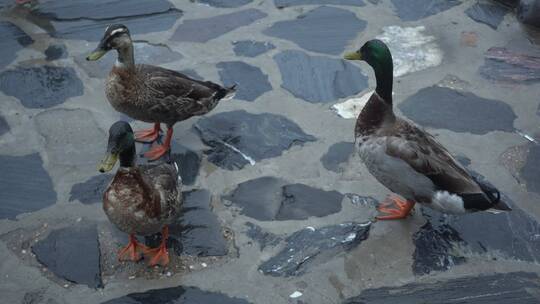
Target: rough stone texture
{"points": [[56, 51], [263, 238], [188, 162], [444, 108], [250, 80], [531, 170], [176, 295], [225, 3], [238, 138], [268, 198], [504, 65], [72, 253], [325, 29], [45, 86], [490, 14], [287, 3], [500, 288], [318, 78], [91, 191], [529, 12], [412, 10], [312, 246], [4, 126], [337, 155], [25, 185], [203, 30], [13, 40], [250, 48]]}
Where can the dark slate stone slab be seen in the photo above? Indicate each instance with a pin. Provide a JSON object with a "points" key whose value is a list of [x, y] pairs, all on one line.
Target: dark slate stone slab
{"points": [[90, 191], [144, 53], [490, 14], [250, 48], [13, 40], [531, 170], [202, 30], [41, 86], [412, 10], [176, 295], [318, 78], [264, 238], [268, 198], [100, 9], [501, 64], [72, 253], [287, 3], [444, 108], [4, 126], [324, 29], [337, 155], [528, 12], [308, 245], [250, 80], [500, 288], [20, 193], [188, 162], [225, 3], [198, 231], [56, 51], [238, 138]]}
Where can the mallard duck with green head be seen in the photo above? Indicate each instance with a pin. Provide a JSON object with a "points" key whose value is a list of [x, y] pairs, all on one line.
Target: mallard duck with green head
{"points": [[153, 94], [406, 159], [140, 200]]}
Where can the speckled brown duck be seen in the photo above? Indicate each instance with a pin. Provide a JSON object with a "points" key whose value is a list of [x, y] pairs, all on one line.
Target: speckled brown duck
{"points": [[408, 160], [140, 200], [153, 94]]}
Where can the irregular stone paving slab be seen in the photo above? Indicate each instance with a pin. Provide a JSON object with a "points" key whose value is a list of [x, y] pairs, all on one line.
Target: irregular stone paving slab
{"points": [[531, 170], [269, 198], [250, 48], [192, 74], [176, 295], [412, 10], [250, 80], [502, 64], [4, 126], [337, 155], [264, 238], [317, 78], [13, 40], [491, 14], [225, 3], [72, 253], [324, 29], [188, 162], [198, 232], [91, 191], [100, 9], [41, 86], [203, 30], [311, 246], [238, 138], [144, 53], [500, 288], [287, 3], [25, 186], [444, 108], [55, 52]]}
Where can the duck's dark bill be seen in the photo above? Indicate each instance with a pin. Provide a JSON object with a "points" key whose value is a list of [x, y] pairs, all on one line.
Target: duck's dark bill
{"points": [[108, 163]]}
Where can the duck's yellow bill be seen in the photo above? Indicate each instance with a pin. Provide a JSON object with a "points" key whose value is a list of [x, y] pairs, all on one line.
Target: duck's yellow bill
{"points": [[95, 55], [108, 162], [353, 56]]}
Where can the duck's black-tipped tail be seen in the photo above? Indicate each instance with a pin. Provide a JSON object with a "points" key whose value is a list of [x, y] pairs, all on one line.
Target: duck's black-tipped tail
{"points": [[494, 196], [228, 93]]}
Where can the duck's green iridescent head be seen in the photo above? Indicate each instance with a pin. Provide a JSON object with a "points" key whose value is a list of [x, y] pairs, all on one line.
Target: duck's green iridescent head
{"points": [[374, 52], [121, 145]]}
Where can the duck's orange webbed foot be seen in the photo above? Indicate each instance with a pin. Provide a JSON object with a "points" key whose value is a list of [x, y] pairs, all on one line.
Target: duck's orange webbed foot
{"points": [[159, 255], [148, 135], [160, 150], [133, 251], [394, 208]]}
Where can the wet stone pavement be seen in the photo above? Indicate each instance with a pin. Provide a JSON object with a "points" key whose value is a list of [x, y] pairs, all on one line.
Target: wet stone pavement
{"points": [[277, 208]]}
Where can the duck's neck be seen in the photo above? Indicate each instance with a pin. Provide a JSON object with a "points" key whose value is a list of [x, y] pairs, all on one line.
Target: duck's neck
{"points": [[125, 58], [384, 76], [127, 157]]}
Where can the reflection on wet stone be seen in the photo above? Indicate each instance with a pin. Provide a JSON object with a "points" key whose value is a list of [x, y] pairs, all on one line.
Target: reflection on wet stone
{"points": [[504, 65], [531, 170], [238, 138], [286, 3], [250, 48], [13, 40], [225, 3], [324, 29], [72, 253], [44, 86], [500, 288], [250, 80], [188, 162], [202, 30], [269, 198], [317, 78], [176, 295], [490, 14], [412, 10], [264, 238], [91, 191], [56, 51], [337, 155], [19, 193], [444, 108], [311, 246], [4, 126]]}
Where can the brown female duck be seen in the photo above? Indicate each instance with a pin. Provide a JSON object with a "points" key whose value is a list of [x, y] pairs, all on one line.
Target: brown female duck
{"points": [[408, 160], [140, 200], [153, 94]]}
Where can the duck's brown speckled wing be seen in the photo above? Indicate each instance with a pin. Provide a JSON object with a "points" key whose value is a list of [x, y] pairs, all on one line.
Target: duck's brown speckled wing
{"points": [[164, 179]]}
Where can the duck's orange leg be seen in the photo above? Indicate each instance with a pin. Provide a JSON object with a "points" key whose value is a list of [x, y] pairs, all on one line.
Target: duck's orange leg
{"points": [[159, 150], [159, 255], [148, 135], [133, 251], [394, 208]]}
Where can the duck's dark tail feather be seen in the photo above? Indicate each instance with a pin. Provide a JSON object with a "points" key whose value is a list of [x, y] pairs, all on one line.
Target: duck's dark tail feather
{"points": [[226, 93], [494, 196]]}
